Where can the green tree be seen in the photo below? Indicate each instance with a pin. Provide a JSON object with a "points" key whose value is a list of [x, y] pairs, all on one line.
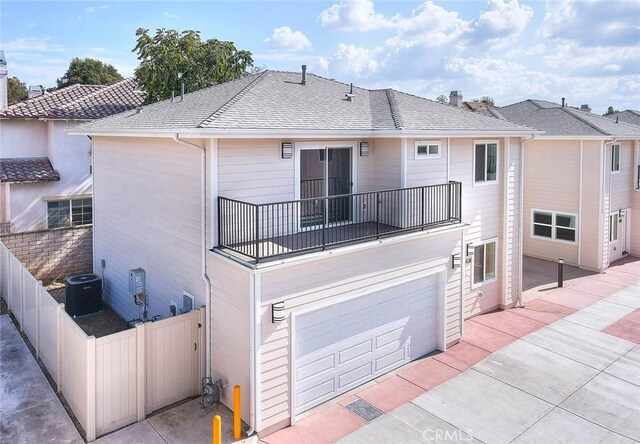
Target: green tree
{"points": [[16, 90], [610, 111], [89, 72], [171, 57], [442, 99], [486, 99]]}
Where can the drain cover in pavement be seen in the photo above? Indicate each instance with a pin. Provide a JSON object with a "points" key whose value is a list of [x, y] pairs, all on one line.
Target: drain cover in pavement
{"points": [[364, 410]]}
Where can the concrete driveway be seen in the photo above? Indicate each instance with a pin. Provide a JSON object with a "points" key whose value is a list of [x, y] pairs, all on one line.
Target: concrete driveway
{"points": [[574, 380]]}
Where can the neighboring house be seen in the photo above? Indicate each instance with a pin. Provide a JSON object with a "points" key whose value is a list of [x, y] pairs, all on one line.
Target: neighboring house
{"points": [[45, 174], [581, 189], [334, 233], [631, 116]]}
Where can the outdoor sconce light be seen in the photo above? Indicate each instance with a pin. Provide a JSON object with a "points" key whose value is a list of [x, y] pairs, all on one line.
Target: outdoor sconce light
{"points": [[470, 249], [287, 150], [456, 261], [277, 312], [364, 149]]}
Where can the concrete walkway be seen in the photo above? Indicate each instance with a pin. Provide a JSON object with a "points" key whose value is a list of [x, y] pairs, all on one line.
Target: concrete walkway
{"points": [[566, 368], [30, 411]]}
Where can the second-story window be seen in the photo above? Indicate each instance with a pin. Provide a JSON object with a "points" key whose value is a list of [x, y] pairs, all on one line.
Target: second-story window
{"points": [[615, 158], [486, 162], [427, 149]]}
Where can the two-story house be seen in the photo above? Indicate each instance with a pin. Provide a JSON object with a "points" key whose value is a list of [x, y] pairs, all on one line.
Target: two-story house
{"points": [[581, 189], [45, 174], [334, 233]]}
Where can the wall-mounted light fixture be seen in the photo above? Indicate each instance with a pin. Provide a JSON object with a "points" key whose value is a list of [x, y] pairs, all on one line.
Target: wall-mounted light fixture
{"points": [[456, 261], [287, 150], [470, 249], [364, 149], [277, 312]]}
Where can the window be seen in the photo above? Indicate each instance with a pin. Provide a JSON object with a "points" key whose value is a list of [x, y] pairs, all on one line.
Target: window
{"points": [[613, 227], [69, 212], [486, 162], [615, 158], [484, 262], [427, 149], [555, 226]]}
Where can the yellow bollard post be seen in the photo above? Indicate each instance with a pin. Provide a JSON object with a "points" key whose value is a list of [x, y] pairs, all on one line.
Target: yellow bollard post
{"points": [[237, 413], [217, 430]]}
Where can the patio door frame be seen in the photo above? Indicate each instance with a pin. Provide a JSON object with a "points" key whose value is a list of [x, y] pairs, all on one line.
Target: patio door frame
{"points": [[320, 145]]}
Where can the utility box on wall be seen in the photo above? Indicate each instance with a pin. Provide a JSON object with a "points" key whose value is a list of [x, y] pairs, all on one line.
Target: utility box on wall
{"points": [[136, 281]]}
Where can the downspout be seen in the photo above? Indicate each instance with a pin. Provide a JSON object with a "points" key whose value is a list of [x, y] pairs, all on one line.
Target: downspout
{"points": [[580, 205], [505, 226], [521, 211], [203, 243], [254, 350]]}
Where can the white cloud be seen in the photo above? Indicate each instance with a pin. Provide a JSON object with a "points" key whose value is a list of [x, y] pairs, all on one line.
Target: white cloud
{"points": [[284, 39], [501, 20], [355, 60], [170, 15], [354, 15], [31, 45], [95, 9], [575, 59], [523, 51], [613, 67], [593, 23]]}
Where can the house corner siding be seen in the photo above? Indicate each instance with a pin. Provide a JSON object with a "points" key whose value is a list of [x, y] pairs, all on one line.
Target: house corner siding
{"points": [[512, 224]]}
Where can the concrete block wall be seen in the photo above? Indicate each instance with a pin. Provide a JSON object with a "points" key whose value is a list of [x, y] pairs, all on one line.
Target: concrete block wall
{"points": [[53, 254]]}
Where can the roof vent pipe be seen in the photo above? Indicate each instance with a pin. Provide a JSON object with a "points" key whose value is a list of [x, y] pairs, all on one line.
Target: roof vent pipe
{"points": [[351, 88], [304, 75], [173, 95], [617, 117], [563, 102]]}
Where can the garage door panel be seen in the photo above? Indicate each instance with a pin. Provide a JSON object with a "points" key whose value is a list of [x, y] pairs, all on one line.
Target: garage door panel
{"points": [[357, 351], [363, 338]]}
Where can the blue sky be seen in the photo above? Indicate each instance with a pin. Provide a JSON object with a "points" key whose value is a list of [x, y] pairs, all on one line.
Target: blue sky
{"points": [[587, 50]]}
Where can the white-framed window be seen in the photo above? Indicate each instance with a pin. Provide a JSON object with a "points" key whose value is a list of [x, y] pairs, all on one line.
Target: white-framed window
{"points": [[427, 149], [485, 261], [69, 212], [485, 161], [554, 225], [613, 227], [615, 158]]}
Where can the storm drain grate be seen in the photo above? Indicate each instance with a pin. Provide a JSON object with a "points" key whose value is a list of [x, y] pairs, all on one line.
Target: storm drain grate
{"points": [[364, 410]]}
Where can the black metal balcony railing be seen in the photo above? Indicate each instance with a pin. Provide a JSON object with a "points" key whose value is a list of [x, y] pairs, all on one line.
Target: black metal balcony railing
{"points": [[271, 230]]}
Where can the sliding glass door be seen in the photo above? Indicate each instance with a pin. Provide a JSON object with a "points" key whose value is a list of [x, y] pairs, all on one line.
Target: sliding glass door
{"points": [[325, 172]]}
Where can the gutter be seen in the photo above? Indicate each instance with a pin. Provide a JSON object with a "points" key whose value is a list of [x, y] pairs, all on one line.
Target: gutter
{"points": [[203, 241]]}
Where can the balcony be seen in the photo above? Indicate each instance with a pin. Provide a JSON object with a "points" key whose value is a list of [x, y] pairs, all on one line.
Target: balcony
{"points": [[259, 232]]}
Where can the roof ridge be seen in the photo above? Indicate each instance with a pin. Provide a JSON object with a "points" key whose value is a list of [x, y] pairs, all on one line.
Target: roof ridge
{"points": [[572, 112], [393, 106], [92, 94], [233, 99]]}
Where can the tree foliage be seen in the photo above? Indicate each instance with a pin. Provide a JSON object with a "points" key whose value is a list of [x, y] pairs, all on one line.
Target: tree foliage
{"points": [[442, 99], [16, 90], [89, 72], [610, 111], [487, 100], [171, 57]]}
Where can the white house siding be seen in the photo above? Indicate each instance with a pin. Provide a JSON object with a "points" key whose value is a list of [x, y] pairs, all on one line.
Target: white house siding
{"points": [[69, 155], [482, 211], [147, 214], [551, 182], [603, 260], [426, 171], [622, 182], [385, 164], [230, 338], [331, 278], [589, 225], [512, 223]]}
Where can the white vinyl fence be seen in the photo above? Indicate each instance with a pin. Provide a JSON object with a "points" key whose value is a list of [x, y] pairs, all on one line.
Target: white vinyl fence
{"points": [[115, 380]]}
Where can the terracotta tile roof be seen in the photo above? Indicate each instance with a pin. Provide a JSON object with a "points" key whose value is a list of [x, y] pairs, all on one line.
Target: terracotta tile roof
{"points": [[26, 170], [84, 102]]}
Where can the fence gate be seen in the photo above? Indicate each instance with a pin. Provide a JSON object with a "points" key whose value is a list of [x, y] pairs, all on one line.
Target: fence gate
{"points": [[174, 354]]}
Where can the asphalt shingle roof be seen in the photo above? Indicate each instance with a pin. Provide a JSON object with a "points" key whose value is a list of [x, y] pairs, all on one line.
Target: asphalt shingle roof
{"points": [[556, 120], [277, 100], [631, 116], [26, 170], [82, 102]]}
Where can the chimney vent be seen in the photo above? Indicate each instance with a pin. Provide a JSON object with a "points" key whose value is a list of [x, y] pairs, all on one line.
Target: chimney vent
{"points": [[563, 102], [585, 108], [455, 98], [35, 91], [304, 75]]}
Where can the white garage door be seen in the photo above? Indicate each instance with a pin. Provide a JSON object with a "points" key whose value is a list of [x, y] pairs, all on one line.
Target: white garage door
{"points": [[345, 345]]}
